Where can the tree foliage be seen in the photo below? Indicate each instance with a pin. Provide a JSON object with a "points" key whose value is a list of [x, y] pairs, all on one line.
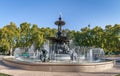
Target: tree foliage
{"points": [[27, 34], [108, 38]]}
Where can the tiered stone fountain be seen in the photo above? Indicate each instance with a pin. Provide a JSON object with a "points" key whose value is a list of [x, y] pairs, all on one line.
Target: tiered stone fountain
{"points": [[61, 55]]}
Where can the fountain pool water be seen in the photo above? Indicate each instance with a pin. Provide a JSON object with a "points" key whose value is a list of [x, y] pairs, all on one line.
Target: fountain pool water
{"points": [[61, 55], [87, 60], [75, 55]]}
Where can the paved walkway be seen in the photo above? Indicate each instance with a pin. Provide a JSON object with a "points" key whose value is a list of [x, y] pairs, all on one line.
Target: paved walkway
{"points": [[19, 72]]}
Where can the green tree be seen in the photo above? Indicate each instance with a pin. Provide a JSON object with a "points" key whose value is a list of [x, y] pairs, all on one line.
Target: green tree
{"points": [[37, 36], [97, 37], [25, 35], [8, 35]]}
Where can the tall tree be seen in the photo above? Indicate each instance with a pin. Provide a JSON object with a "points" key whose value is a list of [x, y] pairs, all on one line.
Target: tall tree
{"points": [[9, 34], [37, 36], [25, 35]]}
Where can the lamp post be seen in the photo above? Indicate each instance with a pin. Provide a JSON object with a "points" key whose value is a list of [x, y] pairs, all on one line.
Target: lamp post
{"points": [[89, 35]]}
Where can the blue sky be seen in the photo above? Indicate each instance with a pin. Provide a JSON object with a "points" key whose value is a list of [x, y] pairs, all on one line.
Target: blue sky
{"points": [[76, 13]]}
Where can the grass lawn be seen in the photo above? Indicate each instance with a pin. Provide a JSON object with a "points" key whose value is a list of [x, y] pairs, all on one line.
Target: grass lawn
{"points": [[2, 74], [118, 75]]}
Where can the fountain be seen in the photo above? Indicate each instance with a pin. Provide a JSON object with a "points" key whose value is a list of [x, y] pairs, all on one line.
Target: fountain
{"points": [[60, 55]]}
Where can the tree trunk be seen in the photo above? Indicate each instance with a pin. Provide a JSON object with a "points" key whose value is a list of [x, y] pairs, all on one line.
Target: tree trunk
{"points": [[11, 50]]}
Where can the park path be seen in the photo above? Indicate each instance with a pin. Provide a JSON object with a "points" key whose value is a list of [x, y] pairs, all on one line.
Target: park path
{"points": [[19, 72]]}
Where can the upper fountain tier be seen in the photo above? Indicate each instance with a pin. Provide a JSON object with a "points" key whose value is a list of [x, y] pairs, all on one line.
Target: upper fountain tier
{"points": [[60, 38], [60, 22]]}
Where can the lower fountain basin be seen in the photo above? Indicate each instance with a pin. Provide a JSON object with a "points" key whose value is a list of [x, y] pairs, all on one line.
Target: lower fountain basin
{"points": [[62, 57], [59, 66]]}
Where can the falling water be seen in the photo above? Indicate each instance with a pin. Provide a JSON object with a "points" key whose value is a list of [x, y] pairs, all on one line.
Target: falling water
{"points": [[91, 55], [31, 51], [78, 54]]}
